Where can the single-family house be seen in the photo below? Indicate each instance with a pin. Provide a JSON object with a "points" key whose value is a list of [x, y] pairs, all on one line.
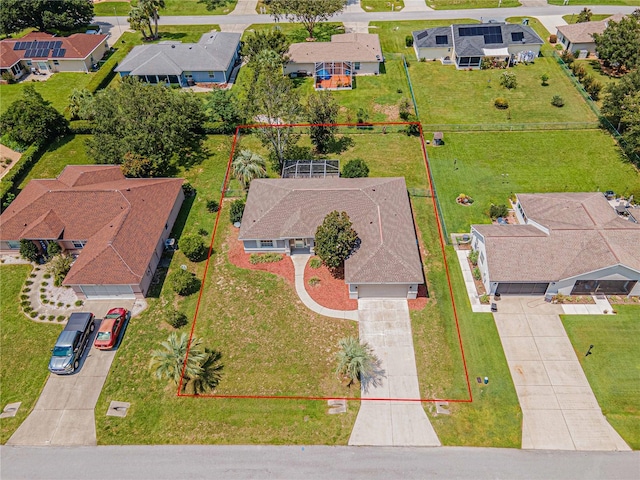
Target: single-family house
{"points": [[211, 60], [579, 36], [333, 64], [115, 226], [465, 45], [45, 53], [282, 215], [568, 243]]}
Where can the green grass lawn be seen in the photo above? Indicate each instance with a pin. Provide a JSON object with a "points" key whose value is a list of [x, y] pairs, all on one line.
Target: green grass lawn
{"points": [[296, 33], [111, 9], [381, 5], [613, 369], [25, 346], [597, 2], [173, 7], [491, 166], [571, 19], [464, 4]]}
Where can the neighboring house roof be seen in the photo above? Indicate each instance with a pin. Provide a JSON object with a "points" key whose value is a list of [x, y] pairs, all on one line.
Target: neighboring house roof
{"points": [[477, 39], [74, 47], [214, 53], [585, 235], [583, 32], [345, 47], [378, 207], [122, 220]]}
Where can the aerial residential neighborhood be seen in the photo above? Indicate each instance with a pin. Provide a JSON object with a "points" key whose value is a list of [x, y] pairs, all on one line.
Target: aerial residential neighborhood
{"points": [[264, 228]]}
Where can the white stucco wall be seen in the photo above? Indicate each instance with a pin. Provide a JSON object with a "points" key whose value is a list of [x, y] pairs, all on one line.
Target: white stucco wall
{"points": [[514, 49], [437, 53]]}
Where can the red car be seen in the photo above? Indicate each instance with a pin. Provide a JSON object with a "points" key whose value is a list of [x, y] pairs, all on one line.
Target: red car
{"points": [[110, 328]]}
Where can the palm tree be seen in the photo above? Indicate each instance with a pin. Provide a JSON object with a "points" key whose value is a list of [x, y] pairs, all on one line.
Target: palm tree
{"points": [[248, 166], [357, 362], [79, 101], [210, 374], [168, 362], [584, 15], [139, 20], [151, 7]]}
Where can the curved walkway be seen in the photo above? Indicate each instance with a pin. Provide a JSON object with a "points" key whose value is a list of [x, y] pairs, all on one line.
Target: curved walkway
{"points": [[299, 262]]}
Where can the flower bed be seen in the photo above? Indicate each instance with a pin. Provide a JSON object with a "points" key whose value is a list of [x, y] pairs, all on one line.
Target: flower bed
{"points": [[330, 292]]}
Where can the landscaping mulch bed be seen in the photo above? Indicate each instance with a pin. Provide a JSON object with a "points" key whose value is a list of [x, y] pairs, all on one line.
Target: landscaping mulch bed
{"points": [[330, 292], [237, 256], [623, 300]]}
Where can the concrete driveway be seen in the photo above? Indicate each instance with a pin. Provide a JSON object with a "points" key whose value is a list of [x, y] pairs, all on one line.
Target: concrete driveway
{"points": [[64, 413], [386, 326], [559, 409]]}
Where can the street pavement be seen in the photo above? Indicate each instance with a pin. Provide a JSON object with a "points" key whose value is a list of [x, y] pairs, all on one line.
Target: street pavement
{"points": [[64, 413], [132, 462], [386, 326], [559, 409]]}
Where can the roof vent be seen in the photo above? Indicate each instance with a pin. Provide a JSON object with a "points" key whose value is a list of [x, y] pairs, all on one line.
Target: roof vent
{"points": [[173, 46]]}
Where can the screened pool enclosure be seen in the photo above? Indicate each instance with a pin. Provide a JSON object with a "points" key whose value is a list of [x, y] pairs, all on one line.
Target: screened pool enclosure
{"points": [[333, 75]]}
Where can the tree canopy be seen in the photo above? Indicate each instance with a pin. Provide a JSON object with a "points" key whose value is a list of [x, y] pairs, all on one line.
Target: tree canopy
{"points": [[308, 13], [356, 168], [269, 40], [322, 111], [213, 4], [584, 15], [143, 15], [32, 119], [335, 240], [224, 111], [150, 121], [618, 45], [44, 15], [621, 107]]}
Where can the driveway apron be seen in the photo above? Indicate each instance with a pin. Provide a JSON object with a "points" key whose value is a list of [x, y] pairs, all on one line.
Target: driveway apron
{"points": [[559, 409], [64, 413], [386, 326]]}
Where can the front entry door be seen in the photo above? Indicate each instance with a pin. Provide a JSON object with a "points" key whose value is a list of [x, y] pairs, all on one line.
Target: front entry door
{"points": [[299, 243]]}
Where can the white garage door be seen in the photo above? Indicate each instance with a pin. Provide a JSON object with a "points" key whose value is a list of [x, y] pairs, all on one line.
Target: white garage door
{"points": [[107, 291], [382, 291]]}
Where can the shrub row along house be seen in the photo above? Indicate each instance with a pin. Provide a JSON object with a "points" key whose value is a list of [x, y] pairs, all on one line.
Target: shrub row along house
{"points": [[282, 215], [116, 226], [465, 45], [211, 60], [40, 52], [568, 243]]}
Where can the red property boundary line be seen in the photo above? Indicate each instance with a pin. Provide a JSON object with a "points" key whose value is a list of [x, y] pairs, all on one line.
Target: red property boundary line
{"points": [[442, 246]]}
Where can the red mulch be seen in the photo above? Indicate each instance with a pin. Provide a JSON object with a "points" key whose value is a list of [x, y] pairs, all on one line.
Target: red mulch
{"points": [[237, 256], [330, 292]]}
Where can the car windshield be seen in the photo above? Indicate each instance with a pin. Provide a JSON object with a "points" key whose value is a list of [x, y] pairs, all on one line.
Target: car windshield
{"points": [[113, 315], [61, 351], [104, 335]]}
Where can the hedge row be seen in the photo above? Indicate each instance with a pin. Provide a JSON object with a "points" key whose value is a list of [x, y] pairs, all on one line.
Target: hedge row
{"points": [[28, 159], [104, 76], [80, 126]]}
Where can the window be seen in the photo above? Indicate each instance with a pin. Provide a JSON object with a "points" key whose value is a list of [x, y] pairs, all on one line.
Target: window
{"points": [[212, 74], [13, 245], [56, 62], [442, 39], [517, 36], [356, 66], [29, 63], [266, 243], [481, 257], [78, 243]]}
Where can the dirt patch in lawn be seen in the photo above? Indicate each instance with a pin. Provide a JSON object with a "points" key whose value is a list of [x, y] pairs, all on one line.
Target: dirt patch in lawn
{"points": [[329, 292], [391, 111], [237, 256]]}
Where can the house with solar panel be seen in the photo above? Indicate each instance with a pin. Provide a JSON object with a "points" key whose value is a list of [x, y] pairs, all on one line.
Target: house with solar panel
{"points": [[211, 60], [39, 52], [465, 45]]}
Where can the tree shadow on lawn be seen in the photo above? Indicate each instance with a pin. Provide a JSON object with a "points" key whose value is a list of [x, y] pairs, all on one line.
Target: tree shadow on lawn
{"points": [[340, 145]]}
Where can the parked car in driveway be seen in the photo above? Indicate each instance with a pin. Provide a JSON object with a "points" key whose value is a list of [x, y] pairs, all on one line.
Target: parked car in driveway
{"points": [[71, 344], [110, 328]]}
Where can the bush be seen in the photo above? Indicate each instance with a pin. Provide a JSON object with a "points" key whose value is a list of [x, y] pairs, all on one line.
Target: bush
{"points": [[594, 89], [33, 314], [78, 303], [193, 247], [46, 275], [404, 109], [81, 127], [8, 76], [413, 129], [567, 57], [476, 273], [496, 211], [188, 189], [545, 79], [356, 168], [557, 101], [313, 281], [177, 319], [28, 250], [501, 103], [212, 206], [236, 211], [553, 38], [256, 258], [59, 266], [28, 159], [408, 41], [53, 249], [473, 257], [61, 318], [508, 80], [484, 299], [315, 262], [103, 77], [183, 282], [579, 70]]}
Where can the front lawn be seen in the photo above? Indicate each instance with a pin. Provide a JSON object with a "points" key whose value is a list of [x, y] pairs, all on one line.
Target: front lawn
{"points": [[464, 4], [598, 2], [490, 166], [25, 346], [172, 7], [571, 19], [382, 5], [295, 32], [613, 368]]}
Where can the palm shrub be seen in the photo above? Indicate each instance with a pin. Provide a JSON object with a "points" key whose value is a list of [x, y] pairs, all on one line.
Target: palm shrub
{"points": [[356, 361], [248, 166], [183, 282], [473, 256], [193, 247], [177, 319], [58, 267], [476, 273], [53, 249]]}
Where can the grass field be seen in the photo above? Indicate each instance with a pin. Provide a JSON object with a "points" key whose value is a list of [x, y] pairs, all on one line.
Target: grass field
{"points": [[491, 166], [296, 33], [173, 7], [464, 4], [25, 346], [381, 5], [613, 369], [571, 19], [598, 2]]}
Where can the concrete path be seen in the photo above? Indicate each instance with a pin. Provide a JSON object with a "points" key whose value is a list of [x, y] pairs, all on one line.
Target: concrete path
{"points": [[550, 22], [559, 409], [601, 307], [356, 27], [299, 262], [64, 413], [386, 326], [416, 6], [245, 7], [469, 283]]}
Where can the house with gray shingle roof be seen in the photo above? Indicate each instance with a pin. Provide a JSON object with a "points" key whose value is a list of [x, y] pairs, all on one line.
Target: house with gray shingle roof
{"points": [[568, 243], [465, 45], [211, 60], [282, 215]]}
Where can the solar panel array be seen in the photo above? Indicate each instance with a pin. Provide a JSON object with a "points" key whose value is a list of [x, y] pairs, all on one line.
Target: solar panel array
{"points": [[492, 34], [421, 35], [442, 39], [41, 48]]}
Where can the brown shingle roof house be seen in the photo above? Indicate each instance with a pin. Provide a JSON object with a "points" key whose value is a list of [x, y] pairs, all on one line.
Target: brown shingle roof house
{"points": [[579, 36], [117, 226], [282, 215], [569, 243]]}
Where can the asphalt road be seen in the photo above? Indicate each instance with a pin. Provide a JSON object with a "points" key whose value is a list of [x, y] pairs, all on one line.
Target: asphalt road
{"points": [[311, 462]]}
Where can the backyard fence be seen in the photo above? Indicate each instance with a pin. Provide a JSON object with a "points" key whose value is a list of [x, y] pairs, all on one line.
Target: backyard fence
{"points": [[413, 97]]}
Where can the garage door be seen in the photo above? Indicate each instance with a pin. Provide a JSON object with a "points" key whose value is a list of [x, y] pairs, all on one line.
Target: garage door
{"points": [[382, 291], [107, 291], [522, 288]]}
